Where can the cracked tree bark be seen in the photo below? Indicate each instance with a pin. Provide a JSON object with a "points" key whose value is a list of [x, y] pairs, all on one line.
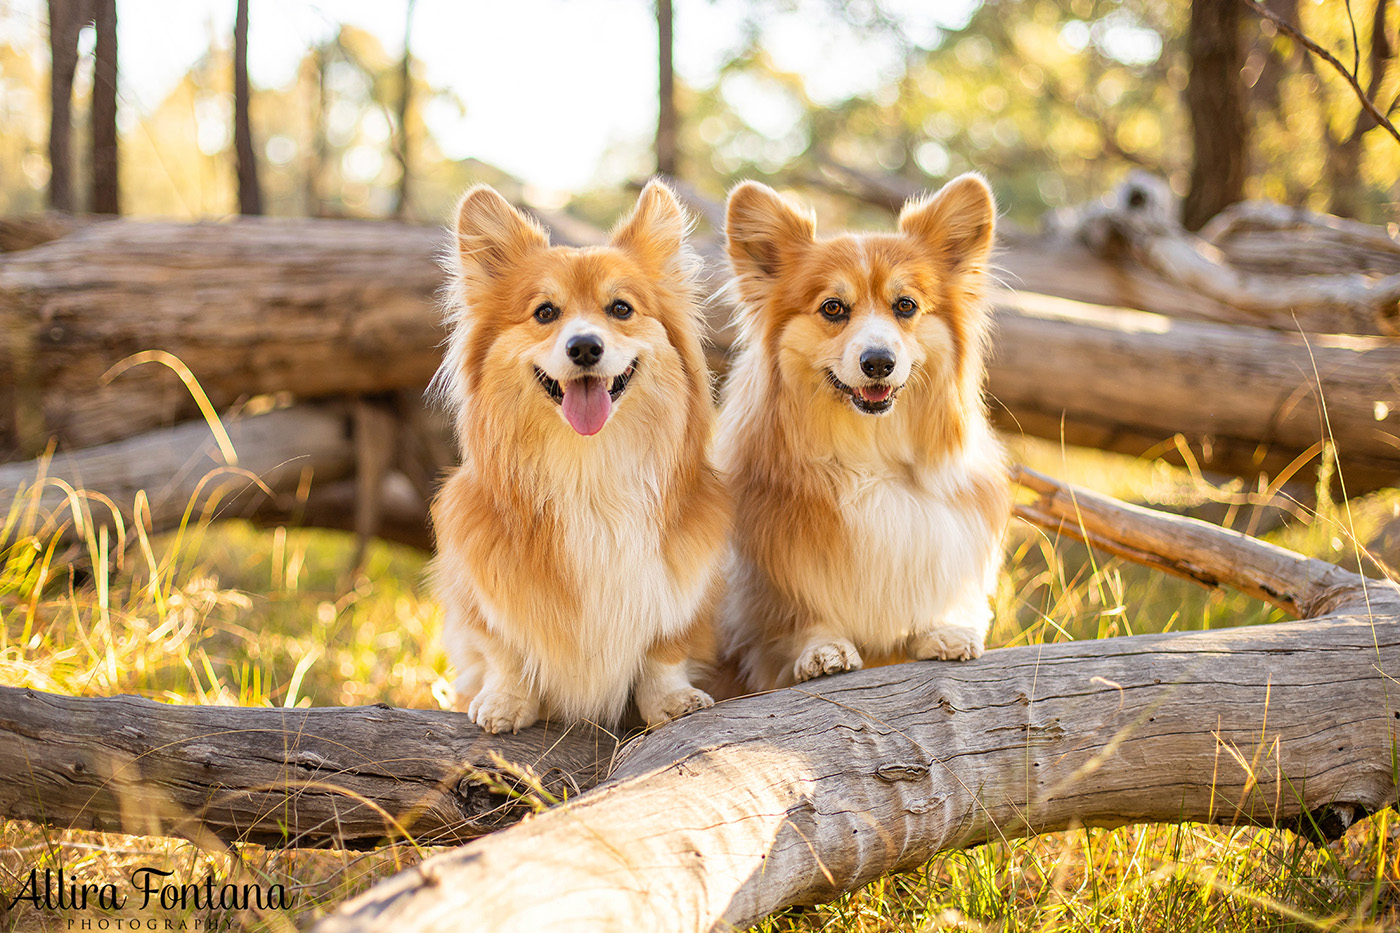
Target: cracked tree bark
{"points": [[278, 777]]}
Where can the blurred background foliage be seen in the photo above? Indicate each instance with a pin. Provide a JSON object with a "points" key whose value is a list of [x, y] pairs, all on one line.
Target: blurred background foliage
{"points": [[1053, 99]]}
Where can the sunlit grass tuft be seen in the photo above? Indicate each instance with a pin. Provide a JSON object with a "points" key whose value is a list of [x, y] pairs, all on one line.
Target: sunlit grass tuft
{"points": [[233, 614]]}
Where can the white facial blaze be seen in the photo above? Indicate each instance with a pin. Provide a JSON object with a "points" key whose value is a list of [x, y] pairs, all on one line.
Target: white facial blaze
{"points": [[873, 331], [618, 351]]}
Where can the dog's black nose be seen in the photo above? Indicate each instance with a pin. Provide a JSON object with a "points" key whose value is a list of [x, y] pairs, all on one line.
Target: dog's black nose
{"points": [[877, 363], [585, 349]]}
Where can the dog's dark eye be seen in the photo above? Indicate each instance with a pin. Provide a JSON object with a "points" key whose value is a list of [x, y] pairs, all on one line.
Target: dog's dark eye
{"points": [[546, 313], [905, 307], [620, 310], [834, 309]]}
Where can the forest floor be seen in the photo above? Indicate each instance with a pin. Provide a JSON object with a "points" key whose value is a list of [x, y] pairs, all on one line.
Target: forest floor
{"points": [[235, 615]]}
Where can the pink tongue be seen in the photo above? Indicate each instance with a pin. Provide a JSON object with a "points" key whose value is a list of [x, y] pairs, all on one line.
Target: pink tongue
{"points": [[587, 404], [874, 393]]}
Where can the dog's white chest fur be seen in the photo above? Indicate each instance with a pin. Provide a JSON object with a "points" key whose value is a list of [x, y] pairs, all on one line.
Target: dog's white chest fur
{"points": [[627, 600], [922, 554]]}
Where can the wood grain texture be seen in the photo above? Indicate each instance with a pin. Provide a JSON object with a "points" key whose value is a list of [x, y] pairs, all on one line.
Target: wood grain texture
{"points": [[1246, 400], [279, 777], [183, 468], [327, 308]]}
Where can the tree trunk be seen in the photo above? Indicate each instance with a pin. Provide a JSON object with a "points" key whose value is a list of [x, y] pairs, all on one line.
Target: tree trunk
{"points": [[667, 149], [1344, 163], [799, 795], [65, 22], [352, 778], [1215, 99], [249, 194], [106, 198], [402, 138]]}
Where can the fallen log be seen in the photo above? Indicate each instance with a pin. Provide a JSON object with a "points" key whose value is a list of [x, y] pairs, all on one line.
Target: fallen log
{"points": [[181, 471], [1139, 221], [798, 795], [318, 307], [1244, 400], [352, 778]]}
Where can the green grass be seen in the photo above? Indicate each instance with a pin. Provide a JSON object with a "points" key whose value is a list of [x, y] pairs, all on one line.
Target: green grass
{"points": [[232, 614]]}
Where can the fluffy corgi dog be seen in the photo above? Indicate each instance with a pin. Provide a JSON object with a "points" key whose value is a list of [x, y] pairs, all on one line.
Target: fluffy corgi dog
{"points": [[579, 542], [870, 491]]}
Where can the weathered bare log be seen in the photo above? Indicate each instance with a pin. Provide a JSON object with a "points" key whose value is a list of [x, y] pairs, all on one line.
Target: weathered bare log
{"points": [[1262, 236], [327, 308], [1139, 221], [1246, 400], [798, 795], [351, 778], [318, 308], [182, 470]]}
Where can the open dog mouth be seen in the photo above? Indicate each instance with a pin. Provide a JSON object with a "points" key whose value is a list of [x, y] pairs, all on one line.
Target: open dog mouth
{"points": [[588, 400], [874, 399]]}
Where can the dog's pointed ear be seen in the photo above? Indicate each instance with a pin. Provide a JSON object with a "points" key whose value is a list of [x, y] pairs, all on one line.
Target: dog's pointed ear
{"points": [[492, 235], [958, 223], [655, 230], [763, 229]]}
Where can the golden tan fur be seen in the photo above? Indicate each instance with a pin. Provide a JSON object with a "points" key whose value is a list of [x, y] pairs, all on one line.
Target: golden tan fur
{"points": [[859, 536], [575, 568]]}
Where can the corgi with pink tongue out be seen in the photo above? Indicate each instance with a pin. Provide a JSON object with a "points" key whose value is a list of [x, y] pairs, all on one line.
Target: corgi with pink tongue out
{"points": [[579, 542]]}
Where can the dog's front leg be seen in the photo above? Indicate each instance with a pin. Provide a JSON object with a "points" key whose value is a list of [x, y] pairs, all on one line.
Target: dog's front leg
{"points": [[506, 702], [664, 691]]}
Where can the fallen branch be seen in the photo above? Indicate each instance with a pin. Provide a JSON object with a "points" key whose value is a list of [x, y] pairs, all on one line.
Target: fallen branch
{"points": [[180, 470]]}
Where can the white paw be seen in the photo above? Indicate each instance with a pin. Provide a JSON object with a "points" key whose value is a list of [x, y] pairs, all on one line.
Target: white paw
{"points": [[947, 643], [831, 657], [674, 705], [499, 711]]}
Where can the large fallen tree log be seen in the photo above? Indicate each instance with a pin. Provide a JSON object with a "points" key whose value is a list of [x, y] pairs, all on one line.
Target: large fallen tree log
{"points": [[278, 777], [1246, 400], [303, 465], [796, 795]]}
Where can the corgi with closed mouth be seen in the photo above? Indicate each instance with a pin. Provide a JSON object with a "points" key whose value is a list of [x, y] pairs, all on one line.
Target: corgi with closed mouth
{"points": [[579, 541], [871, 493]]}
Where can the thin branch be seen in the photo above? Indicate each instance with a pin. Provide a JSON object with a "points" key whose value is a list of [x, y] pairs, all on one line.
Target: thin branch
{"points": [[1292, 31]]}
